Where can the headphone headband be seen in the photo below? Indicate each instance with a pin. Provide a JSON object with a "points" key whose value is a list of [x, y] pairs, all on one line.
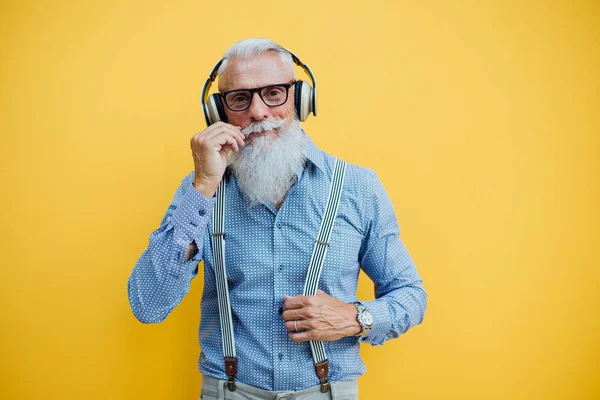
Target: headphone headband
{"points": [[312, 78], [206, 88], [214, 73]]}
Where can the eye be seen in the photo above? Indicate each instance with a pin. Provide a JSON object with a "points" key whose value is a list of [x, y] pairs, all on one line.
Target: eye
{"points": [[239, 98], [274, 92]]}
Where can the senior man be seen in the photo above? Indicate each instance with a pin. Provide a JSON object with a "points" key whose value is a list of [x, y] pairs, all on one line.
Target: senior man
{"points": [[263, 334]]}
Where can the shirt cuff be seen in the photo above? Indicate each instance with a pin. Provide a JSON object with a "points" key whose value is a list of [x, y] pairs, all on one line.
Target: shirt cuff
{"points": [[193, 213], [382, 322]]}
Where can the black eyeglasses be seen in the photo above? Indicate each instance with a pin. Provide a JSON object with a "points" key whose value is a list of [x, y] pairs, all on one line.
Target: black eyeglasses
{"points": [[272, 95]]}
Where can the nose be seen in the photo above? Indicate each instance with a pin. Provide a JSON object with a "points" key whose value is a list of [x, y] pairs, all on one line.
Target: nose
{"points": [[258, 110]]}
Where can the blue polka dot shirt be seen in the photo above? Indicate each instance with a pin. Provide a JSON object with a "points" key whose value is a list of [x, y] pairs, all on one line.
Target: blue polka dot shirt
{"points": [[267, 256]]}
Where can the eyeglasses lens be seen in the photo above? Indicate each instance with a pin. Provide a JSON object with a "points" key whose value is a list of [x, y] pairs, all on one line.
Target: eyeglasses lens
{"points": [[272, 96]]}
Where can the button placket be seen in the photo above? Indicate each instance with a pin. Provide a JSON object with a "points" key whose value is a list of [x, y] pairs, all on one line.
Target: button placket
{"points": [[277, 298]]}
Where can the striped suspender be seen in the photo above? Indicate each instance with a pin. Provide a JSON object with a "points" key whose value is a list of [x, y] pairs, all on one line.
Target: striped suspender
{"points": [[218, 248], [316, 264], [310, 286]]}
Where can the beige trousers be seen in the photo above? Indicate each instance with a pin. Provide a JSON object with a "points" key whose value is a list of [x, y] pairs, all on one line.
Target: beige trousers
{"points": [[216, 389]]}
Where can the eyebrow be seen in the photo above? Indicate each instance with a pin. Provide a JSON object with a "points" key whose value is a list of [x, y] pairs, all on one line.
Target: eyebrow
{"points": [[258, 87]]}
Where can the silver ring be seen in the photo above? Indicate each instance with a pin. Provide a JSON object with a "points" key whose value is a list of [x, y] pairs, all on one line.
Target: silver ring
{"points": [[295, 327]]}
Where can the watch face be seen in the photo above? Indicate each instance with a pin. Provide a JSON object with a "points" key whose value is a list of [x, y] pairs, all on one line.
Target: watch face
{"points": [[367, 318]]}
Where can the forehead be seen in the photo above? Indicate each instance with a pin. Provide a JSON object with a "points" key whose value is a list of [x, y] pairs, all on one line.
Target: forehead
{"points": [[262, 70]]}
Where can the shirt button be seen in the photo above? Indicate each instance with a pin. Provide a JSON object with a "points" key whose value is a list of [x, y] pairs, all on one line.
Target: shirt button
{"points": [[202, 213], [279, 225], [280, 355], [281, 267]]}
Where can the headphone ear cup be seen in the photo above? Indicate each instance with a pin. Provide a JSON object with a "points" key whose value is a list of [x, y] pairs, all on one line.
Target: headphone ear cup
{"points": [[215, 109], [303, 104], [220, 108]]}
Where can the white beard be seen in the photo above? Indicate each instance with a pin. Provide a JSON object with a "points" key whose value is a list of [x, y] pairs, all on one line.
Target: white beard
{"points": [[265, 168]]}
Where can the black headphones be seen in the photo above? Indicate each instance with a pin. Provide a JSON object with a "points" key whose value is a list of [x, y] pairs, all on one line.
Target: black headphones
{"points": [[305, 96]]}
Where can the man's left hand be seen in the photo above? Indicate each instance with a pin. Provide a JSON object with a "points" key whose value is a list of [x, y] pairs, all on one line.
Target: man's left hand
{"points": [[319, 317]]}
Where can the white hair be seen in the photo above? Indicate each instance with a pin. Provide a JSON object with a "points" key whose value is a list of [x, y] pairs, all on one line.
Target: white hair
{"points": [[249, 48]]}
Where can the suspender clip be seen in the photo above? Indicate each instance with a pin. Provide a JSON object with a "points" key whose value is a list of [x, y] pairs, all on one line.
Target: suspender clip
{"points": [[231, 384], [231, 371], [322, 370]]}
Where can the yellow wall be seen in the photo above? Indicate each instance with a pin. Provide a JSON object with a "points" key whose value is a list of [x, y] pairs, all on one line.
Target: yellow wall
{"points": [[481, 118]]}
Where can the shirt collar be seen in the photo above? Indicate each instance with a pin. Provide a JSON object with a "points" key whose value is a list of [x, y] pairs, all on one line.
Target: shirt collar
{"points": [[314, 154]]}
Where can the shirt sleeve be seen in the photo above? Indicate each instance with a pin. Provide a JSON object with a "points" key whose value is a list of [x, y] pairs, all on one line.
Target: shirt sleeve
{"points": [[400, 299], [161, 277]]}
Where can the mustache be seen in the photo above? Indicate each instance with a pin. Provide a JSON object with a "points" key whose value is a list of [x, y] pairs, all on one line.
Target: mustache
{"points": [[262, 126]]}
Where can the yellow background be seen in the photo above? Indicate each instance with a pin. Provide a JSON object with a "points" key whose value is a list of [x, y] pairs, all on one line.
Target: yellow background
{"points": [[481, 118]]}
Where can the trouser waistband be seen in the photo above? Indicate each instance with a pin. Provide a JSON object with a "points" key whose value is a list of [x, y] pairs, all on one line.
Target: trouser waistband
{"points": [[216, 389]]}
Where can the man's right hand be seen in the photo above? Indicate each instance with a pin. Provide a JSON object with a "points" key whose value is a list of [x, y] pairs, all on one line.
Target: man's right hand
{"points": [[210, 149]]}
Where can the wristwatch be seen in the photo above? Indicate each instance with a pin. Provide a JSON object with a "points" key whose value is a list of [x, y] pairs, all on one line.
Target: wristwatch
{"points": [[364, 317]]}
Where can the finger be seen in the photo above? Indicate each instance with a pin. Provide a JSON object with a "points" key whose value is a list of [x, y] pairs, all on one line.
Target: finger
{"points": [[301, 325], [294, 326], [237, 133], [300, 337], [227, 141], [226, 146], [211, 130], [221, 128], [293, 302], [293, 315], [239, 136], [220, 125]]}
